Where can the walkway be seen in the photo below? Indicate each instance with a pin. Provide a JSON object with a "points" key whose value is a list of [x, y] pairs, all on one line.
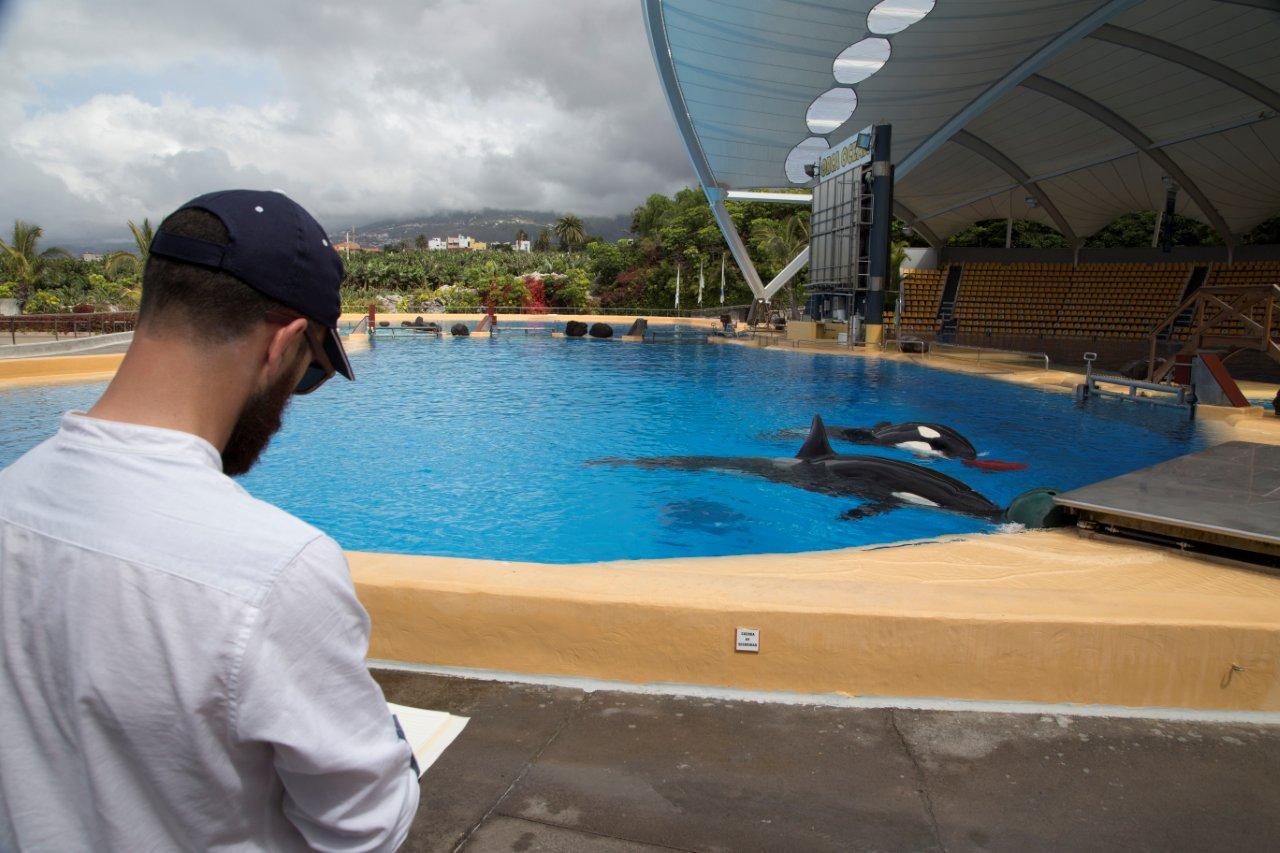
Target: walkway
{"points": [[558, 769]]}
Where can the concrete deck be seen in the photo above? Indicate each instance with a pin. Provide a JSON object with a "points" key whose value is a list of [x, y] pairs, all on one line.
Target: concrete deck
{"points": [[559, 769]]}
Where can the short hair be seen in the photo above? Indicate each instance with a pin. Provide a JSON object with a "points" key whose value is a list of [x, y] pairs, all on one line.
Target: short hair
{"points": [[205, 304]]}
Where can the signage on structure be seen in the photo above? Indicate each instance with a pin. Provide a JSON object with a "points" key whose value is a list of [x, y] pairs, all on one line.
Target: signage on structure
{"points": [[855, 151]]}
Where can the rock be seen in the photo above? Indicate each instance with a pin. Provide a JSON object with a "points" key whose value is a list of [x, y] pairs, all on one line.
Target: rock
{"points": [[575, 329], [638, 328], [384, 323], [460, 330], [601, 330], [418, 321]]}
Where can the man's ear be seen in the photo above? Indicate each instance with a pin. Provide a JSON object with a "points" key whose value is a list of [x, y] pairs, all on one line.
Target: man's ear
{"points": [[282, 350]]}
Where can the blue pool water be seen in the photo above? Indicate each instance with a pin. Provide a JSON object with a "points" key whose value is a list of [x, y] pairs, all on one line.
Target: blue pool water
{"points": [[477, 448]]}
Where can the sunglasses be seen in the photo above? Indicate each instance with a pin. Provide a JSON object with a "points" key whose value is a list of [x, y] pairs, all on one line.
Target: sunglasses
{"points": [[321, 368]]}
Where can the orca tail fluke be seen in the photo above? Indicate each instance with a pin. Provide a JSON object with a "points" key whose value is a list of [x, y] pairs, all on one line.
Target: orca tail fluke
{"points": [[817, 445]]}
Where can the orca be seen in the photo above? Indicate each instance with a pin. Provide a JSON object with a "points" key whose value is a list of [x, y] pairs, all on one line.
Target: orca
{"points": [[922, 439], [880, 484]]}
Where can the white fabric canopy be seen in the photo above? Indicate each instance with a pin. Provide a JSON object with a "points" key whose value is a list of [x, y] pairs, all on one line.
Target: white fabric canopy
{"points": [[1082, 106]]}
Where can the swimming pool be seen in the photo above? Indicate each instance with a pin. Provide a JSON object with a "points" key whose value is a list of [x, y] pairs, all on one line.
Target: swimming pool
{"points": [[478, 447]]}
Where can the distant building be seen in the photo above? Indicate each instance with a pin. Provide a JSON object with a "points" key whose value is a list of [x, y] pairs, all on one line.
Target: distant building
{"points": [[348, 246], [435, 244], [523, 245], [458, 242], [90, 256], [477, 245]]}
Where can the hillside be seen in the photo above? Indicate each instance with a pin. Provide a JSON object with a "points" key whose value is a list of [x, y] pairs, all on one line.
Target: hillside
{"points": [[487, 225]]}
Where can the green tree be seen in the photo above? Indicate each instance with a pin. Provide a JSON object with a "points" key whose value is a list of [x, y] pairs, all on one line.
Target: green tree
{"points": [[420, 242], [990, 234], [521, 235], [118, 264], [780, 241], [543, 243], [21, 258], [570, 231], [1135, 230]]}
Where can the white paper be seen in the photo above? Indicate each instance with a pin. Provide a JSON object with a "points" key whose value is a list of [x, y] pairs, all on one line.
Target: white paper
{"points": [[429, 733]]}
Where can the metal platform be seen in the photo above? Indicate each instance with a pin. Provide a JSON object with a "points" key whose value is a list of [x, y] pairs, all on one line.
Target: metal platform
{"points": [[1224, 498]]}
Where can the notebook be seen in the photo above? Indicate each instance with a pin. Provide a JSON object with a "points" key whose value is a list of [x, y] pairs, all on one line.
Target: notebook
{"points": [[429, 733]]}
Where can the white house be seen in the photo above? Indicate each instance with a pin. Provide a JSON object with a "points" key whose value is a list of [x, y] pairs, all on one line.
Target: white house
{"points": [[459, 242], [435, 244], [522, 245]]}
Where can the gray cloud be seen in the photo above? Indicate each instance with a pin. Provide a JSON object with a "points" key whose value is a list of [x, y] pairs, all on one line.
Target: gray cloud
{"points": [[362, 111]]}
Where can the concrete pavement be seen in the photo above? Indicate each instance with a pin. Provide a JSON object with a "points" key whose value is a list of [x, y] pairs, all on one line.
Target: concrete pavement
{"points": [[560, 769]]}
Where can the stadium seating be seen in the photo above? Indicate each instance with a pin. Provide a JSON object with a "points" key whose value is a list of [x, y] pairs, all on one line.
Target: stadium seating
{"points": [[1047, 300], [921, 292]]}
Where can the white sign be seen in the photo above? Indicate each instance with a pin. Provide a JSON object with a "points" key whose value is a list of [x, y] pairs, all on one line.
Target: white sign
{"points": [[855, 151], [748, 640]]}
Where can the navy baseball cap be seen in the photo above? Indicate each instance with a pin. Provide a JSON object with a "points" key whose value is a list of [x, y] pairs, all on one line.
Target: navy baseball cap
{"points": [[278, 249]]}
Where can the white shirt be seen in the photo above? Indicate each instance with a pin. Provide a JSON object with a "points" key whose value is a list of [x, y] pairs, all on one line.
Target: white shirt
{"points": [[182, 665]]}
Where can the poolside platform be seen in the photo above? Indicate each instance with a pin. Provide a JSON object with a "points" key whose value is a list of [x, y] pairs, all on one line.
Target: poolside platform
{"points": [[1033, 617], [1226, 497], [563, 768]]}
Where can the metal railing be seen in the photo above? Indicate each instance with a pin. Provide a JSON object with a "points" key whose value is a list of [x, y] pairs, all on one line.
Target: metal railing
{"points": [[991, 354], [1174, 396], [691, 313], [102, 323]]}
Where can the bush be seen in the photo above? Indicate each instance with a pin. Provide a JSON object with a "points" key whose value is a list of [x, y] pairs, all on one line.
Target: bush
{"points": [[43, 302]]}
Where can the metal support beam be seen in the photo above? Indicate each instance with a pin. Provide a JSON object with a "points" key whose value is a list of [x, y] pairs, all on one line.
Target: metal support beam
{"points": [[1189, 59], [1140, 140], [904, 213], [990, 153], [656, 29], [1006, 84], [788, 272], [768, 197], [879, 237]]}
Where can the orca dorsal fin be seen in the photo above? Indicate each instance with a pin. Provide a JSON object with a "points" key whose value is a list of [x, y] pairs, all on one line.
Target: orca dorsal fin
{"points": [[816, 446]]}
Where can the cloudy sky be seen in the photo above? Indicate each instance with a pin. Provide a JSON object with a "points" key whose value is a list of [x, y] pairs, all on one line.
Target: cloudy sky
{"points": [[113, 110]]}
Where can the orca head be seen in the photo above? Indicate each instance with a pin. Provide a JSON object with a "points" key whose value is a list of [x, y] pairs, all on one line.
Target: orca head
{"points": [[816, 446]]}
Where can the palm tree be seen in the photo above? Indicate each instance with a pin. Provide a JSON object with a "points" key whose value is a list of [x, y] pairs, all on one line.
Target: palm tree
{"points": [[569, 229], [521, 236], [21, 259], [142, 237], [544, 241], [128, 262], [781, 240]]}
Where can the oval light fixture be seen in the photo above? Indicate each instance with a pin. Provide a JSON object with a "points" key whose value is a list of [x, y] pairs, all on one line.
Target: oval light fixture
{"points": [[804, 154], [860, 60], [831, 109], [893, 16]]}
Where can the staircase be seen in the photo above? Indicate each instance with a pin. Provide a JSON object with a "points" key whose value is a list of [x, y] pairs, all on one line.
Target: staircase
{"points": [[947, 306], [1184, 320]]}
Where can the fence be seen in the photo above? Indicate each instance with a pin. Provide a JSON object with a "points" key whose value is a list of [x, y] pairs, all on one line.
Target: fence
{"points": [[716, 311], [69, 324]]}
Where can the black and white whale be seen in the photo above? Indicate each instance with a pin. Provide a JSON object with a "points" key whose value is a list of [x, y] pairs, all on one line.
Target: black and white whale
{"points": [[920, 438], [880, 484]]}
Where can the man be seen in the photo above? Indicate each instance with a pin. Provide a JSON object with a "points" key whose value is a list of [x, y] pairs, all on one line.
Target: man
{"points": [[182, 665]]}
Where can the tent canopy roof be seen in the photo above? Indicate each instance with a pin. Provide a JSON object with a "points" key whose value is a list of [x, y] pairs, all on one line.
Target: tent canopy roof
{"points": [[1068, 112]]}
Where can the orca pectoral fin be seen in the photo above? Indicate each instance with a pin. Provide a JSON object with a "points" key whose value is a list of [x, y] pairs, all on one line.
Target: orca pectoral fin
{"points": [[865, 511]]}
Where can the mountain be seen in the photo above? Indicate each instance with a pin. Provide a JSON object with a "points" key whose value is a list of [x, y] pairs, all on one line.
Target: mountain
{"points": [[488, 225]]}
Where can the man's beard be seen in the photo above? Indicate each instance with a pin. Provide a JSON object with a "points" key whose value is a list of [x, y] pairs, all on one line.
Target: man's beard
{"points": [[260, 419]]}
